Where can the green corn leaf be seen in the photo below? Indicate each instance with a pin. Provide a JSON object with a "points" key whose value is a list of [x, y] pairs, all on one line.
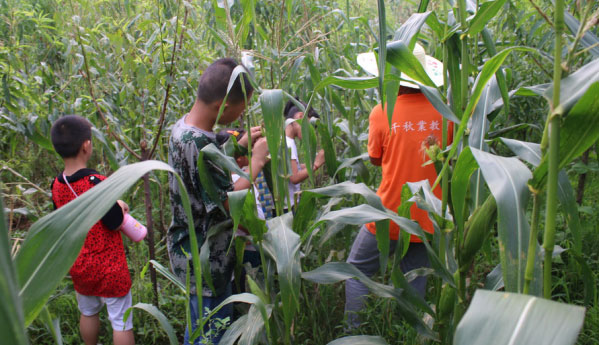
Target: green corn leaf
{"points": [[510, 318], [162, 320], [489, 69], [382, 51], [352, 83], [507, 179], [589, 278], [575, 86], [491, 50], [383, 243], [256, 319], [219, 229], [271, 102], [579, 130], [168, 275], [460, 181], [408, 31], [54, 241], [359, 340], [283, 245], [252, 333], [207, 182], [308, 146], [11, 310], [479, 128], [485, 13], [235, 330], [348, 162], [401, 57], [334, 272], [531, 153], [222, 160], [330, 155], [433, 96], [362, 214], [242, 207]]}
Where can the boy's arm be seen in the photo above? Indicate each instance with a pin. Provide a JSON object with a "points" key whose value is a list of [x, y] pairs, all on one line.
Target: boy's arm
{"points": [[259, 153], [113, 219]]}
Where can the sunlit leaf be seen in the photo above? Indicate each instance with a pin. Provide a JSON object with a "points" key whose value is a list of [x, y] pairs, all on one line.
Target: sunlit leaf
{"points": [[510, 318]]}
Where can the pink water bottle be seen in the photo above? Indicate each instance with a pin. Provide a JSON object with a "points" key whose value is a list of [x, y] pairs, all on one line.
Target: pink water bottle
{"points": [[133, 229]]}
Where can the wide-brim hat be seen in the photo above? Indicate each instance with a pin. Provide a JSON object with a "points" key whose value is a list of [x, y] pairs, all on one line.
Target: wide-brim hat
{"points": [[432, 66]]}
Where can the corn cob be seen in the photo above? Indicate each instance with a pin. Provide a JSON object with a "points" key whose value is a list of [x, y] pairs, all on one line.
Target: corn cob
{"points": [[477, 229]]}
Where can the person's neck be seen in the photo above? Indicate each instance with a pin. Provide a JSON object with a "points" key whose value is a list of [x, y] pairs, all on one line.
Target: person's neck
{"points": [[72, 165], [202, 116]]}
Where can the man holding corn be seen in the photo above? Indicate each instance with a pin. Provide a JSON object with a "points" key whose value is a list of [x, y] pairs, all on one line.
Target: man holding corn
{"points": [[399, 150]]}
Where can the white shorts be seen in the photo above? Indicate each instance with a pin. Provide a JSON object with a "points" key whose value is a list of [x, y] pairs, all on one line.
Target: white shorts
{"points": [[116, 306]]}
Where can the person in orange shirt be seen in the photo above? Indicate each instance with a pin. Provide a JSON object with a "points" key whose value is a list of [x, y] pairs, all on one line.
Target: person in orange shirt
{"points": [[399, 150]]}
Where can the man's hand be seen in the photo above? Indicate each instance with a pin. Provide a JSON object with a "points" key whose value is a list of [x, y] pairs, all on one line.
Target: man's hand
{"points": [[260, 150], [255, 132], [319, 160]]}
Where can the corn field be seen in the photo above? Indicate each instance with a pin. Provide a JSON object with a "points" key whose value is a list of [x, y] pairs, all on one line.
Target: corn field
{"points": [[513, 255]]}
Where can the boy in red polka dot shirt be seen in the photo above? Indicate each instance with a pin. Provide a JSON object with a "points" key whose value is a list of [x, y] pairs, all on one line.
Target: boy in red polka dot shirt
{"points": [[100, 273]]}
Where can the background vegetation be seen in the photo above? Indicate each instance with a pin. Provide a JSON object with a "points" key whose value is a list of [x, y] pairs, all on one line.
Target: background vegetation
{"points": [[132, 68]]}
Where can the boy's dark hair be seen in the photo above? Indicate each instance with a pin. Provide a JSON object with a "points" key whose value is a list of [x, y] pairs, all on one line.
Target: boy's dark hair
{"points": [[291, 109], [68, 134], [215, 79]]}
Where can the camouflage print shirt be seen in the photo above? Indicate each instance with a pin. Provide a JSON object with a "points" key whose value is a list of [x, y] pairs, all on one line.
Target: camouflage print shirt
{"points": [[184, 147]]}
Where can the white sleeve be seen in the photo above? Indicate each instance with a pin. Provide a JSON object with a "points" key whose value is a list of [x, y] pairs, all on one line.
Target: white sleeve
{"points": [[291, 145]]}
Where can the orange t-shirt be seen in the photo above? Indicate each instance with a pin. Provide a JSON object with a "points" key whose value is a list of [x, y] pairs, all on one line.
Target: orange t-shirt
{"points": [[402, 152]]}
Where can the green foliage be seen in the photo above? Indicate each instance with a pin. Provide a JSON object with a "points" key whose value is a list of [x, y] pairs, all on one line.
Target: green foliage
{"points": [[132, 69]]}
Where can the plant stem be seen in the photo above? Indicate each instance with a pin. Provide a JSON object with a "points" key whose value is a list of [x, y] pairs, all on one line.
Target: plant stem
{"points": [[532, 243], [554, 132]]}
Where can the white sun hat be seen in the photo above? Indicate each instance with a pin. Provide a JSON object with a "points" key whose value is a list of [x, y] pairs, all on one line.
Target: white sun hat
{"points": [[432, 66]]}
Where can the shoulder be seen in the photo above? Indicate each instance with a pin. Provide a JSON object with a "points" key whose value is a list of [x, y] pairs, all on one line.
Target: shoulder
{"points": [[96, 178], [376, 112]]}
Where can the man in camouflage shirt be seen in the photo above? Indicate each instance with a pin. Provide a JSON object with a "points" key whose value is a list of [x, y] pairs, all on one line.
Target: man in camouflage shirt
{"points": [[209, 206]]}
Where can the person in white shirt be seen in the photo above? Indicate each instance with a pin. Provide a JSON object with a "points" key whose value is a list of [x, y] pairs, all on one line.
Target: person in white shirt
{"points": [[293, 130]]}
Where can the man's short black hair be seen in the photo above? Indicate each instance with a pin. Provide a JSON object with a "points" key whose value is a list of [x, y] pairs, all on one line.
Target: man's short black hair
{"points": [[68, 134], [291, 109], [215, 79]]}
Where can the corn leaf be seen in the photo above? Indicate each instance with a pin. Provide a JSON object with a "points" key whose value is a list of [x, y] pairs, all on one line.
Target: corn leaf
{"points": [[510, 318], [11, 309], [408, 31], [54, 241], [433, 96], [271, 102], [507, 179], [282, 244], [168, 275], [579, 130], [364, 213], [162, 320], [222, 160], [575, 86], [485, 13], [359, 340], [401, 57], [352, 83], [489, 69], [382, 51], [531, 153], [460, 180], [334, 272]]}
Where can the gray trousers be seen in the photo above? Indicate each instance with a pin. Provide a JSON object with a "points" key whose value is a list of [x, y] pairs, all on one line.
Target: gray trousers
{"points": [[364, 255]]}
